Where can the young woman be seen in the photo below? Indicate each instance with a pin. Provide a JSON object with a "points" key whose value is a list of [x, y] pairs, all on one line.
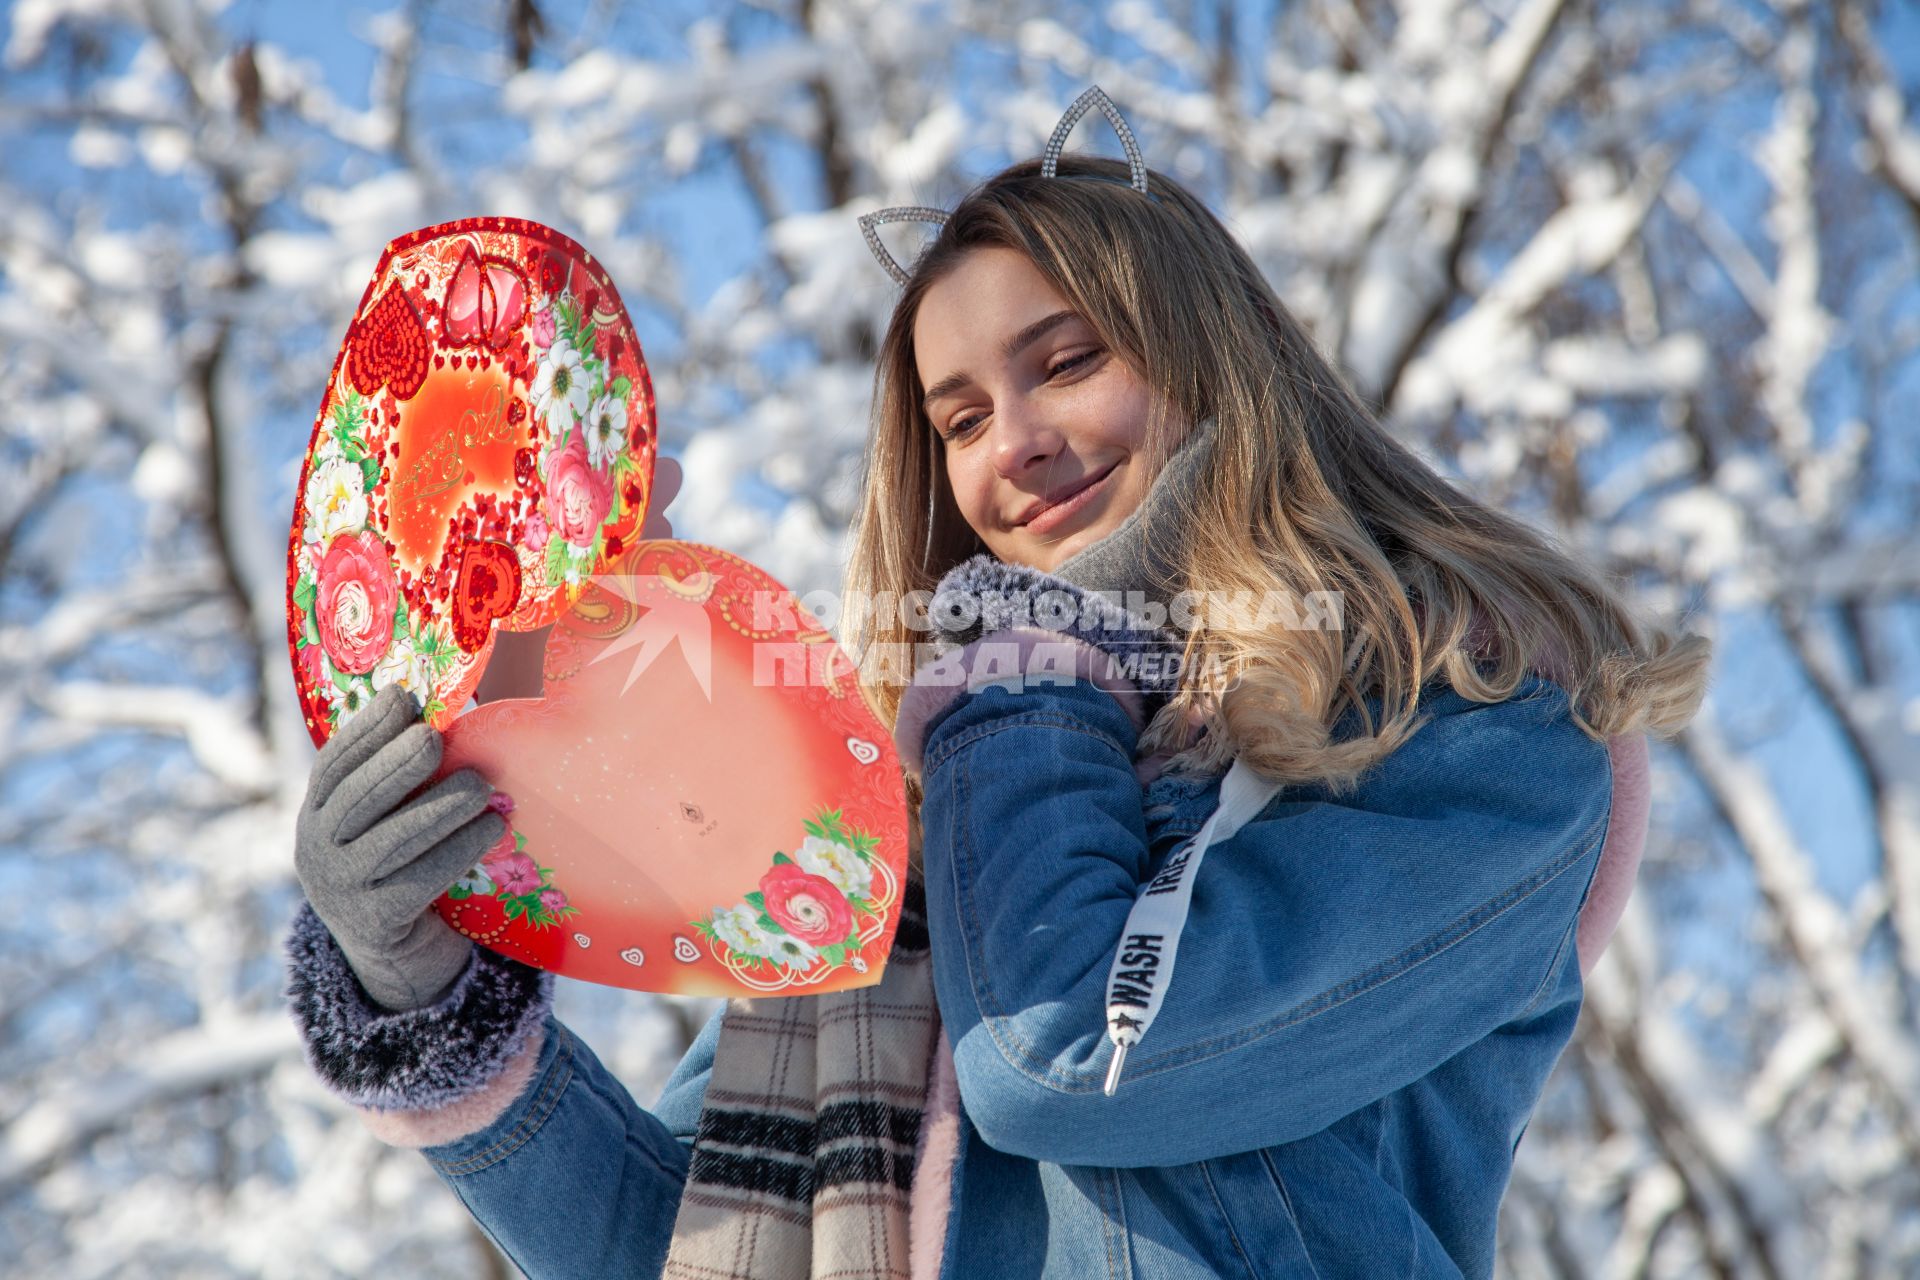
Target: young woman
{"points": [[1087, 388]]}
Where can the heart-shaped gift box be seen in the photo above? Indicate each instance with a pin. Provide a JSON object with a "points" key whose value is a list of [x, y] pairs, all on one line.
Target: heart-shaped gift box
{"points": [[699, 799]]}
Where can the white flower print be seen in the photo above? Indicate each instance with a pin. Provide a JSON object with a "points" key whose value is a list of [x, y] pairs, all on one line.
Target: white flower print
{"points": [[606, 430], [791, 952], [475, 881], [560, 388], [355, 698], [336, 500], [839, 865], [406, 666], [739, 927]]}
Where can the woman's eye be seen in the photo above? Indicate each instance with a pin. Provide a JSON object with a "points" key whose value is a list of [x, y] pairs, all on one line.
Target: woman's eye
{"points": [[966, 426], [1074, 362]]}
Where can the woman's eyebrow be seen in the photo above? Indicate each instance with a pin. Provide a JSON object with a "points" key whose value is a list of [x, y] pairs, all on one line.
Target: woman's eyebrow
{"points": [[1008, 350]]}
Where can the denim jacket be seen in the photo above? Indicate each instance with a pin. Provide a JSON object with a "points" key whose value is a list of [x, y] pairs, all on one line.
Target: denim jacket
{"points": [[1371, 991]]}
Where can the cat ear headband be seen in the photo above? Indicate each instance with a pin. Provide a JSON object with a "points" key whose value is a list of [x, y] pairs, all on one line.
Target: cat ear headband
{"points": [[1049, 165]]}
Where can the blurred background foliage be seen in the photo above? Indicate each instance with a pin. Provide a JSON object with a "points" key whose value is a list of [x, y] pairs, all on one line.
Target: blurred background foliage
{"points": [[1641, 270]]}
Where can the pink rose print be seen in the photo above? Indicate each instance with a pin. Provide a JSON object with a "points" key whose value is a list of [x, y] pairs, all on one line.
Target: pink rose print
{"points": [[807, 906], [578, 496], [355, 602], [537, 532], [552, 899], [543, 328], [514, 872], [501, 803]]}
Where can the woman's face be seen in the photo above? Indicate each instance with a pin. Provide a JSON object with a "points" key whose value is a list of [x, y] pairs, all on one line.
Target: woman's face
{"points": [[1041, 424]]}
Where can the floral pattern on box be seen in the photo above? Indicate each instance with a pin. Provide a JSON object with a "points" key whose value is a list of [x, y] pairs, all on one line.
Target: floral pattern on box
{"points": [[523, 888], [805, 918]]}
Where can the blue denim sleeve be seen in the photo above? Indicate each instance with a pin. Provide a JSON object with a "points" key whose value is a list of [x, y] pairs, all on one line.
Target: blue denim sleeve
{"points": [[573, 1178], [1333, 952], [686, 1088]]}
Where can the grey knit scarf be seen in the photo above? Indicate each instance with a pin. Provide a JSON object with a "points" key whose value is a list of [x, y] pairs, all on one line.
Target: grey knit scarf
{"points": [[1143, 552]]}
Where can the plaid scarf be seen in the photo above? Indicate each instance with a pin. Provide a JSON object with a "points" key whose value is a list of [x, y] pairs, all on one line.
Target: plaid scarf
{"points": [[805, 1151], [820, 1107]]}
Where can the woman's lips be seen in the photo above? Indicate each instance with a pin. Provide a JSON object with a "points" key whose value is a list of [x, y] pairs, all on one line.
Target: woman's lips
{"points": [[1062, 511]]}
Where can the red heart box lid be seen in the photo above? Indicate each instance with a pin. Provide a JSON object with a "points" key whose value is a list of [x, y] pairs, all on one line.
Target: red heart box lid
{"points": [[485, 445]]}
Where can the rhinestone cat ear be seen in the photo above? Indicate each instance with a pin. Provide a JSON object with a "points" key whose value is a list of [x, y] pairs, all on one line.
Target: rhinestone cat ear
{"points": [[1095, 97], [870, 222], [1049, 167]]}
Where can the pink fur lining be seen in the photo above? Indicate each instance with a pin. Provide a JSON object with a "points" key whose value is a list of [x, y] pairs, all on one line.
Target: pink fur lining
{"points": [[437, 1125], [1628, 817], [1620, 855], [933, 1159]]}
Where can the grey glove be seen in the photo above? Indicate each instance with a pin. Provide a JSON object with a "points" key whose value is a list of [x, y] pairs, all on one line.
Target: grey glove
{"points": [[371, 865]]}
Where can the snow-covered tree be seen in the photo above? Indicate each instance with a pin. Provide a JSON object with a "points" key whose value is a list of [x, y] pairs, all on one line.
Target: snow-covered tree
{"points": [[1642, 270]]}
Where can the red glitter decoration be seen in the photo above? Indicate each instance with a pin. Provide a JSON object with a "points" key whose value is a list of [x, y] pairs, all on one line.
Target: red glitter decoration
{"points": [[388, 348], [486, 300], [608, 343]]}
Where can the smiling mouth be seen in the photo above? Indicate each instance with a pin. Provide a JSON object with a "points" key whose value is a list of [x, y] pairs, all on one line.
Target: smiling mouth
{"points": [[1090, 482]]}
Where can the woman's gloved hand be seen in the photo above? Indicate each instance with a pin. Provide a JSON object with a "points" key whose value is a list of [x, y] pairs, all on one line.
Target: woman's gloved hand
{"points": [[371, 865]]}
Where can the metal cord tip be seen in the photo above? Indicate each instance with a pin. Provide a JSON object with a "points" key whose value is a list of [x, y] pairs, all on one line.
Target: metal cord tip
{"points": [[1113, 1068]]}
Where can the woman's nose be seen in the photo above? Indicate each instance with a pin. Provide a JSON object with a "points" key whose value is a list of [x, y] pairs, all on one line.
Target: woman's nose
{"points": [[1022, 440]]}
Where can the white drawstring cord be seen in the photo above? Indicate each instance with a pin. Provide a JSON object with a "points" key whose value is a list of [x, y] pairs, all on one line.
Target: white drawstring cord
{"points": [[1143, 966]]}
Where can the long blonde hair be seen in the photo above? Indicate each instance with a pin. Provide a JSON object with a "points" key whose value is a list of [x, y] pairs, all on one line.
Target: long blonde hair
{"points": [[1306, 492]]}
